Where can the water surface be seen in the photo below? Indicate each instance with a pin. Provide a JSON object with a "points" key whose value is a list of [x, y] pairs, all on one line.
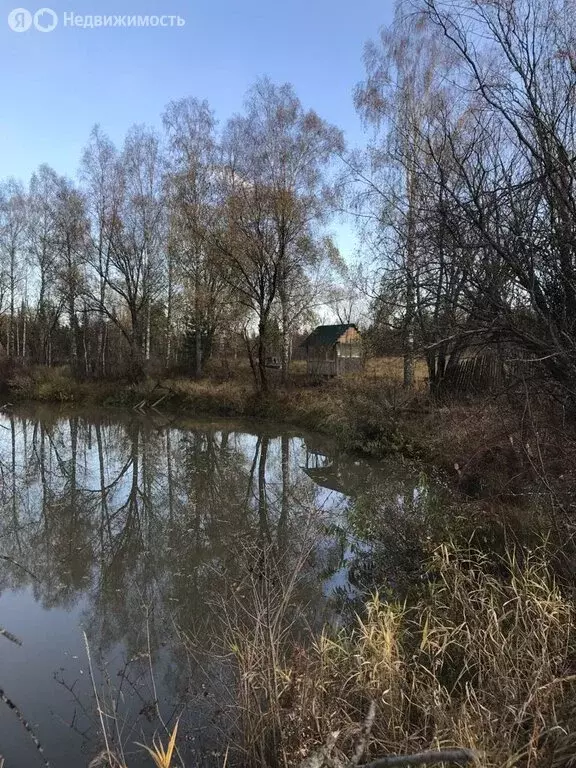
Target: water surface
{"points": [[128, 531]]}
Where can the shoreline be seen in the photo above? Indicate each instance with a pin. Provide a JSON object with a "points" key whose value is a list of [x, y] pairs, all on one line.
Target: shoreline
{"points": [[475, 445], [328, 409]]}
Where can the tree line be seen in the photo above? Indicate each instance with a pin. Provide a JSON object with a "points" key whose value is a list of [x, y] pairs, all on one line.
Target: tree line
{"points": [[464, 197], [174, 241]]}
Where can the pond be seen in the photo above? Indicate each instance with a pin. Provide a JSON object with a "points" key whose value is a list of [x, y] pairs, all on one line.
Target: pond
{"points": [[121, 538]]}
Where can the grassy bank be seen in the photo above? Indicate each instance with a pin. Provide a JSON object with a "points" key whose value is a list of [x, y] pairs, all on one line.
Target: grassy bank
{"points": [[361, 413], [488, 446]]}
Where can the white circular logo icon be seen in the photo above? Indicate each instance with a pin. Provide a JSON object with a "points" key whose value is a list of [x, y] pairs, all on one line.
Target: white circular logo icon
{"points": [[19, 20], [45, 20]]}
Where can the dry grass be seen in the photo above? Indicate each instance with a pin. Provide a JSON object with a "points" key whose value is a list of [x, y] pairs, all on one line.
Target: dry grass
{"points": [[484, 660], [392, 369], [225, 398], [161, 756], [260, 618]]}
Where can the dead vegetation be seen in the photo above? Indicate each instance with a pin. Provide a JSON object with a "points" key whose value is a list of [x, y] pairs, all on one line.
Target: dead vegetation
{"points": [[483, 660]]}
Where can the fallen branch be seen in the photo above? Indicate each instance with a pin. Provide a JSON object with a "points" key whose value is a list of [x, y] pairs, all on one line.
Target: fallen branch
{"points": [[362, 745], [159, 400], [23, 567], [324, 757], [25, 724], [11, 637], [432, 757]]}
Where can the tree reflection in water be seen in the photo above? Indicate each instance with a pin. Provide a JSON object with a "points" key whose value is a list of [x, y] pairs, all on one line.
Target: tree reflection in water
{"points": [[133, 528]]}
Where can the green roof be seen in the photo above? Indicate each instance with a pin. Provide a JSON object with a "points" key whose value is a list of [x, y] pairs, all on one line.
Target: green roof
{"points": [[327, 335]]}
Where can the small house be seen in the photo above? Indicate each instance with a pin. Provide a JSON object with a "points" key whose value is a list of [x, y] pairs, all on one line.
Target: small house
{"points": [[332, 350]]}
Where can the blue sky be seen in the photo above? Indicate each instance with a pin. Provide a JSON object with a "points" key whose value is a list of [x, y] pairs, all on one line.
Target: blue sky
{"points": [[55, 86]]}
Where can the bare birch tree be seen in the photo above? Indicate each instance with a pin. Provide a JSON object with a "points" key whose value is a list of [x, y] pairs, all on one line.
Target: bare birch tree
{"points": [[13, 218], [277, 159]]}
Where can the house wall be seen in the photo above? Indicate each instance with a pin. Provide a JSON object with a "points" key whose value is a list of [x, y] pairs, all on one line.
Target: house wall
{"points": [[348, 365], [343, 357], [351, 336], [322, 367], [321, 361], [349, 350], [335, 367]]}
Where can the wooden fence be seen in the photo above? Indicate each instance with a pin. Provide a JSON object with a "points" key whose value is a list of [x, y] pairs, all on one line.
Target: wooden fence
{"points": [[485, 373]]}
